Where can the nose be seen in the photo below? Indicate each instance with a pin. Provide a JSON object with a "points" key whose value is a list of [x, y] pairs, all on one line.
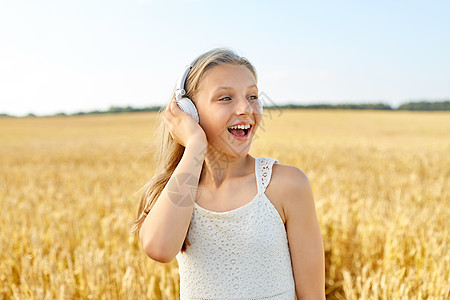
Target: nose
{"points": [[243, 106]]}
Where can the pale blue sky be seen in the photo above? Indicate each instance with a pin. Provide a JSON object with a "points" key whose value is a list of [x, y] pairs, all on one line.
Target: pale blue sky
{"points": [[69, 56]]}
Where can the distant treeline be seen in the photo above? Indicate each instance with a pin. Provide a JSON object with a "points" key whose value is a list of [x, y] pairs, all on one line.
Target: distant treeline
{"points": [[418, 106], [423, 105]]}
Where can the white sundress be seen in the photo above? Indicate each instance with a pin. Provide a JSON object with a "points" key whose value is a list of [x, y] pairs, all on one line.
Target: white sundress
{"points": [[238, 254]]}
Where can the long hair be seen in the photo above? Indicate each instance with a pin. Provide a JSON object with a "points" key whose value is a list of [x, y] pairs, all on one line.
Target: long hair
{"points": [[169, 152]]}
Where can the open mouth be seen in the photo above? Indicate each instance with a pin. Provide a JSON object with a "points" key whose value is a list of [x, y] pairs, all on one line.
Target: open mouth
{"points": [[241, 131]]}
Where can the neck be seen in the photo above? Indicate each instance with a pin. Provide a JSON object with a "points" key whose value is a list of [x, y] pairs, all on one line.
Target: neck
{"points": [[220, 167]]}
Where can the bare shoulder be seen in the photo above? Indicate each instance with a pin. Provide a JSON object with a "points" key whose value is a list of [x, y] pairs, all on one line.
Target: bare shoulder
{"points": [[291, 178], [287, 172], [294, 189]]}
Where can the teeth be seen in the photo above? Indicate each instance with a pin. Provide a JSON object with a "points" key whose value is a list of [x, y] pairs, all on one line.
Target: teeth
{"points": [[240, 127]]}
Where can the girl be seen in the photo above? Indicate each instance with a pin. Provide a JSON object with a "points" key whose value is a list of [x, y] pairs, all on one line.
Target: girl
{"points": [[240, 227]]}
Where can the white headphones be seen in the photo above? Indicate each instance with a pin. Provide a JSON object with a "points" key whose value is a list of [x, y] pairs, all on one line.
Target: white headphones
{"points": [[186, 104]]}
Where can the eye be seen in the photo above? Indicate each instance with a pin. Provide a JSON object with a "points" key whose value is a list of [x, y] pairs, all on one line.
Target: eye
{"points": [[222, 99], [254, 97]]}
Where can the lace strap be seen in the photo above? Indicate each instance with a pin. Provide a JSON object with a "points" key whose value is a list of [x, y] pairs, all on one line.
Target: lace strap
{"points": [[264, 172]]}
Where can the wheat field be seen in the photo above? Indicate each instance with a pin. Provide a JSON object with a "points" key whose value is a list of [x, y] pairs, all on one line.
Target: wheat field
{"points": [[69, 190]]}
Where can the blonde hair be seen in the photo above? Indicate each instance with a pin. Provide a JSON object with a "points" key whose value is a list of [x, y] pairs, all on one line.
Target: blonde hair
{"points": [[169, 152]]}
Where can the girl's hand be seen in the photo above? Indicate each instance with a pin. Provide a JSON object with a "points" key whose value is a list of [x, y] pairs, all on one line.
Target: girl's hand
{"points": [[183, 128]]}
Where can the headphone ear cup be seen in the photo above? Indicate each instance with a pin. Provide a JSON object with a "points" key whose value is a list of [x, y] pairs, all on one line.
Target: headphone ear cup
{"points": [[260, 107], [186, 105]]}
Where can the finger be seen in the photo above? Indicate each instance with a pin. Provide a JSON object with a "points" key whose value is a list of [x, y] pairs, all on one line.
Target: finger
{"points": [[176, 110], [165, 117], [174, 107], [168, 126], [167, 120], [169, 114]]}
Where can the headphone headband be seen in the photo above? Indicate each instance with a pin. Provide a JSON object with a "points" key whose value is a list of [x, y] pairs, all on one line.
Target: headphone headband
{"points": [[180, 91]]}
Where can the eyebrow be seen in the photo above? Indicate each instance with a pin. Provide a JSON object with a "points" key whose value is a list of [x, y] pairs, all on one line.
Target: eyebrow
{"points": [[230, 88]]}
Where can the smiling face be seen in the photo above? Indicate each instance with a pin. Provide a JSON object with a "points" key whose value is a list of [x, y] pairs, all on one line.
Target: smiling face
{"points": [[228, 95]]}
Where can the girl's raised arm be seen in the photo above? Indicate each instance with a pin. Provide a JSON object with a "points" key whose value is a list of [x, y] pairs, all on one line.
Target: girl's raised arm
{"points": [[164, 229]]}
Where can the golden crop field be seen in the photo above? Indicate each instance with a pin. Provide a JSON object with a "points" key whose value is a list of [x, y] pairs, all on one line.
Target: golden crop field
{"points": [[69, 191]]}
